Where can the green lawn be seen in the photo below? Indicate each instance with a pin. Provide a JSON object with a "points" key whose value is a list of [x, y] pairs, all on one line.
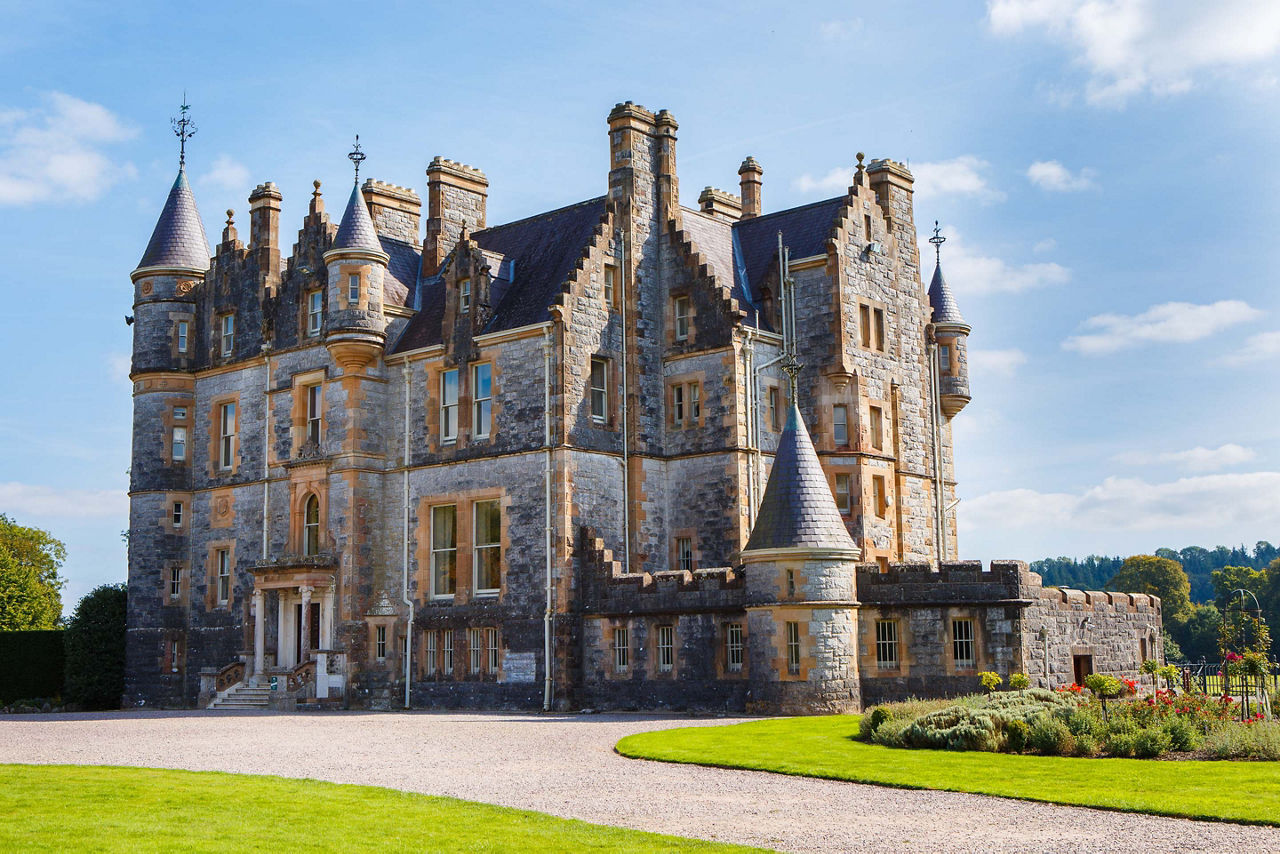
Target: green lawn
{"points": [[822, 747], [72, 807]]}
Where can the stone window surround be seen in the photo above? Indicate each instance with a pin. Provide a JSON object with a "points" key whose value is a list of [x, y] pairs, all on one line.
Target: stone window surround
{"points": [[609, 289], [872, 306], [305, 322], [800, 616], [170, 422], [211, 575], [434, 371], [834, 473], [619, 646], [949, 342], [952, 619], [657, 669], [687, 381], [464, 574], [723, 670], [226, 343], [670, 311], [184, 583], [304, 482], [179, 317], [215, 436], [888, 640], [344, 272], [173, 653], [610, 421], [691, 534], [300, 384], [773, 415]]}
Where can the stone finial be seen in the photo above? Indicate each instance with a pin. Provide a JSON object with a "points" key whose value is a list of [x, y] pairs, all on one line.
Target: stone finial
{"points": [[317, 199], [229, 232], [860, 175]]}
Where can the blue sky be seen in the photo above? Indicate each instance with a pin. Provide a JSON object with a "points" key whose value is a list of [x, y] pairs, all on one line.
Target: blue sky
{"points": [[1105, 171]]}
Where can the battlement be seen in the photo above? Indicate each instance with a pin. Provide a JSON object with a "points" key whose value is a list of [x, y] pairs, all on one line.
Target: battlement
{"points": [[953, 582], [393, 190], [445, 166], [720, 203], [267, 190], [1070, 599]]}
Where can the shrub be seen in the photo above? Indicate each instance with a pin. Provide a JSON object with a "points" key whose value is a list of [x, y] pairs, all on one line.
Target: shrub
{"points": [[1150, 742], [1019, 681], [1015, 733], [1182, 736], [1086, 745], [1252, 741], [1120, 737], [1083, 721], [891, 733], [1050, 736], [95, 649], [990, 680], [954, 728], [871, 721]]}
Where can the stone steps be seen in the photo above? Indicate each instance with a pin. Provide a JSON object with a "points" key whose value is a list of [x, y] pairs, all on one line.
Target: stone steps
{"points": [[243, 697]]}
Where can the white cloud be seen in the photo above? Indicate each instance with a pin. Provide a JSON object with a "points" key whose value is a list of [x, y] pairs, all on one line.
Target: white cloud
{"points": [[1197, 459], [840, 30], [19, 500], [1046, 245], [55, 152], [1208, 508], [1133, 46], [1264, 345], [996, 363], [959, 176], [1052, 175], [835, 181], [1174, 322], [227, 173], [971, 272]]}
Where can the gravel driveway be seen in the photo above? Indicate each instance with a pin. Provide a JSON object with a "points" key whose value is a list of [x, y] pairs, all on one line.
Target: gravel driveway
{"points": [[565, 765]]}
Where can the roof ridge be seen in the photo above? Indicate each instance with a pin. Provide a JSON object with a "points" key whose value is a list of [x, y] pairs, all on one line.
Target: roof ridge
{"points": [[493, 228], [759, 217]]}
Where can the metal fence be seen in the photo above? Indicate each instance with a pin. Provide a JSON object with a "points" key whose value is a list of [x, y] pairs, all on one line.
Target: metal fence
{"points": [[1211, 678]]}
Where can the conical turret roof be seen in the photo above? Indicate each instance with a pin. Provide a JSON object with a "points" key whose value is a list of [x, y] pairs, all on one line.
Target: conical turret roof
{"points": [[356, 230], [945, 309], [178, 239], [798, 510]]}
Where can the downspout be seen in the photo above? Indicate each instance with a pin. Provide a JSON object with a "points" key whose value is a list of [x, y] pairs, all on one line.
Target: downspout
{"points": [[404, 557], [625, 251], [935, 412], [266, 450], [548, 685], [748, 370]]}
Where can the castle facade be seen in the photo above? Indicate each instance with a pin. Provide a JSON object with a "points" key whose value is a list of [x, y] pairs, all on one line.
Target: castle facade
{"points": [[622, 454]]}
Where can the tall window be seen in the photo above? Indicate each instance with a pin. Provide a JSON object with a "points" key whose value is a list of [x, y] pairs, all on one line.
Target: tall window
{"points": [[175, 582], [449, 405], [844, 501], [224, 576], [228, 334], [311, 527], [179, 444], [353, 289], [887, 644], [775, 423], [381, 643], [793, 649], [962, 642], [433, 639], [464, 295], [482, 390], [315, 312], [227, 434], [599, 390], [944, 358], [695, 402], [610, 283], [666, 649], [491, 649], [681, 307], [733, 647], [177, 514], [475, 650], [877, 428], [183, 328], [684, 553], [878, 494], [487, 534], [621, 650], [677, 404], [864, 325], [444, 549], [840, 424], [314, 410], [446, 655], [878, 314]]}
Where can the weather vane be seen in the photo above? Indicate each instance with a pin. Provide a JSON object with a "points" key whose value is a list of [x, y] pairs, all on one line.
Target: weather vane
{"points": [[937, 240], [357, 157], [184, 128]]}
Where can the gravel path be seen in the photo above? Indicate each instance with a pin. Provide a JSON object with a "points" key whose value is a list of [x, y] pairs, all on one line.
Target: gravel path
{"points": [[565, 765]]}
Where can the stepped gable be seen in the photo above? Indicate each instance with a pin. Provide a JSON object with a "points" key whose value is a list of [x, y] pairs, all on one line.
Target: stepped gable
{"points": [[178, 239], [804, 229], [540, 255], [356, 230], [945, 309], [798, 510]]}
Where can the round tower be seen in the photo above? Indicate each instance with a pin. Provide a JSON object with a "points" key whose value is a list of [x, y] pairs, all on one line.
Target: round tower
{"points": [[949, 335], [355, 329], [802, 608]]}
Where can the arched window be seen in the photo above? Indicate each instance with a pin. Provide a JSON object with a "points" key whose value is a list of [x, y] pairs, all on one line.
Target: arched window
{"points": [[311, 527]]}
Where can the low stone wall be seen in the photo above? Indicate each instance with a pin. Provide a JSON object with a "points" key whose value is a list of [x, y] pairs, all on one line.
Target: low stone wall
{"points": [[1102, 632]]}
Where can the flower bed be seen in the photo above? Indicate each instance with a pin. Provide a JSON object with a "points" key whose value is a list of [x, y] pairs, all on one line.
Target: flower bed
{"points": [[1106, 719]]}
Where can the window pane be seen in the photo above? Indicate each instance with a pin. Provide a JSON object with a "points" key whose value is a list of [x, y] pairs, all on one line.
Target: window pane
{"points": [[449, 405], [444, 549], [840, 425], [488, 550]]}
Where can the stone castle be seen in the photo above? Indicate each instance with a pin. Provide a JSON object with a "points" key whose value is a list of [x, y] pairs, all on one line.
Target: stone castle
{"points": [[622, 454]]}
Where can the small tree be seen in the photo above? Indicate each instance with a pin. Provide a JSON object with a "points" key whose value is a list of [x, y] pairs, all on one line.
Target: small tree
{"points": [[95, 648], [1019, 681], [29, 582], [1158, 576], [990, 680], [1105, 688]]}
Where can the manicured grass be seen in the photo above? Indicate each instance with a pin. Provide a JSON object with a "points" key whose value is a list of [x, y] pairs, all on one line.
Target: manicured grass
{"points": [[823, 747], [72, 807]]}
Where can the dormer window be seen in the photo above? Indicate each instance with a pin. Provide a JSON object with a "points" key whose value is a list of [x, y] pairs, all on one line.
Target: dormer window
{"points": [[464, 295], [353, 288], [228, 334]]}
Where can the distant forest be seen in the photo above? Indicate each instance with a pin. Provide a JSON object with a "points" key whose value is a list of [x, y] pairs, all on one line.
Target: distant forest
{"points": [[1094, 571]]}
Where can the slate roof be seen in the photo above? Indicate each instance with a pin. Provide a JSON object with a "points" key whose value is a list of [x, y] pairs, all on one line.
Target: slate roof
{"points": [[178, 239], [804, 229], [944, 305], [798, 509], [356, 230], [401, 285], [540, 253]]}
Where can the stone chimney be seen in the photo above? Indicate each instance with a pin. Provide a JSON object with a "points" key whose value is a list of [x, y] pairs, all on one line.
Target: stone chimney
{"points": [[720, 204], [264, 233], [749, 176], [668, 182], [396, 211], [456, 196]]}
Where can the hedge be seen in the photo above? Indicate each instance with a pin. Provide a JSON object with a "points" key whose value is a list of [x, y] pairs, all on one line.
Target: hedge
{"points": [[34, 665]]}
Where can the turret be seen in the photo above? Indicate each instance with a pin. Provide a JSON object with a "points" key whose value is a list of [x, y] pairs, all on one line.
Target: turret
{"points": [[949, 335], [355, 328], [802, 609]]}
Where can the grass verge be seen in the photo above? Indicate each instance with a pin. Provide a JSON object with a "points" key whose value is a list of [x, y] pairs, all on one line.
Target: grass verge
{"points": [[823, 747], [74, 807]]}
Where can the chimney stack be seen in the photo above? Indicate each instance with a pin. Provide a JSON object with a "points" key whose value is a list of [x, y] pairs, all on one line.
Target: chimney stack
{"points": [[456, 195], [396, 211], [719, 204], [749, 176], [668, 182], [264, 233]]}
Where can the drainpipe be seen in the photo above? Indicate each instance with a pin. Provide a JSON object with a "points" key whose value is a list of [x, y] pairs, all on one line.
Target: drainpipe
{"points": [[748, 370], [404, 557], [548, 683], [936, 413], [266, 447]]}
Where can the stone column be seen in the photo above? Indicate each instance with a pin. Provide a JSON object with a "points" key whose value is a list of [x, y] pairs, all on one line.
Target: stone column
{"points": [[305, 629], [259, 632], [326, 618]]}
